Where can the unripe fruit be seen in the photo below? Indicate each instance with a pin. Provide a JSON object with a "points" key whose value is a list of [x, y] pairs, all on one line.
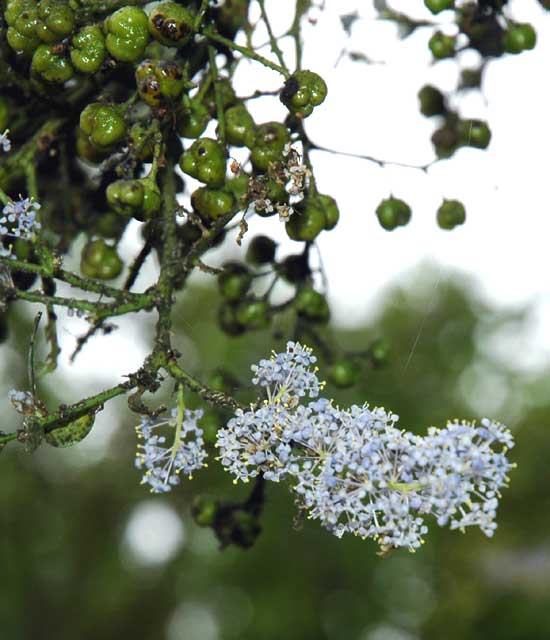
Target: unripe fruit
{"points": [[192, 122], [261, 250], [266, 144], [171, 24], [104, 124], [253, 314], [100, 260], [379, 352], [51, 65], [306, 224], [88, 50], [211, 204], [451, 214], [159, 82], [238, 124], [127, 34], [344, 373], [441, 45], [303, 91], [22, 18], [520, 37], [295, 268], [234, 281], [55, 20], [228, 321], [312, 305], [204, 511], [205, 160], [437, 6], [474, 133], [432, 101], [393, 213]]}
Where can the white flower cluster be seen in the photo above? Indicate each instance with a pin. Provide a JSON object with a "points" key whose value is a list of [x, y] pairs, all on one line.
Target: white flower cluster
{"points": [[5, 142], [162, 457], [353, 470], [18, 220]]}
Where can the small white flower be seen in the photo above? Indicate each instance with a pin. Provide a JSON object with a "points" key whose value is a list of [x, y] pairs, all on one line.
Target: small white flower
{"points": [[5, 142]]}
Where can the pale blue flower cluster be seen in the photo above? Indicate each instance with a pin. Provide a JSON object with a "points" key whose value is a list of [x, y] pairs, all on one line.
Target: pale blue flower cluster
{"points": [[5, 142], [354, 470], [18, 220], [171, 445]]}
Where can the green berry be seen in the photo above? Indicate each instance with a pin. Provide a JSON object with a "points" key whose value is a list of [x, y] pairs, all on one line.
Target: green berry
{"points": [[204, 511], [303, 91], [192, 121], [211, 204], [266, 144], [312, 305], [238, 124], [51, 65], [253, 314], [451, 214], [306, 223], [379, 352], [55, 20], [437, 6], [441, 45], [171, 24], [520, 37], [141, 142], [234, 281], [100, 260], [88, 50], [446, 140], [228, 321], [344, 373], [86, 150], [125, 196], [205, 160], [295, 268], [432, 101], [231, 16], [159, 82], [393, 213], [22, 18], [109, 225], [127, 34], [261, 250], [104, 124], [474, 133], [238, 186]]}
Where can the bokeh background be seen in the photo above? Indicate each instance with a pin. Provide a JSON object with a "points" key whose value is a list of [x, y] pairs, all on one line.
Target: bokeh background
{"points": [[86, 552]]}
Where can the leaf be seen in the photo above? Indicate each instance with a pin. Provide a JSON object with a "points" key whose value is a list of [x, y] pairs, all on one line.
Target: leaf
{"points": [[71, 434]]}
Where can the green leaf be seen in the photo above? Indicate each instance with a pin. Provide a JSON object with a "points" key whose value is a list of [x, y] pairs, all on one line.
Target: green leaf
{"points": [[71, 434]]}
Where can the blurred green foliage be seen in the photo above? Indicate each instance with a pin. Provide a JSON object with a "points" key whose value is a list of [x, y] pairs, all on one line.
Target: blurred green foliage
{"points": [[67, 570]]}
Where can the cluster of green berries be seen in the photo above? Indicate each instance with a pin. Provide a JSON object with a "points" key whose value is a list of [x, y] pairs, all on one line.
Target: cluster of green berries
{"points": [[455, 132], [487, 29]]}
